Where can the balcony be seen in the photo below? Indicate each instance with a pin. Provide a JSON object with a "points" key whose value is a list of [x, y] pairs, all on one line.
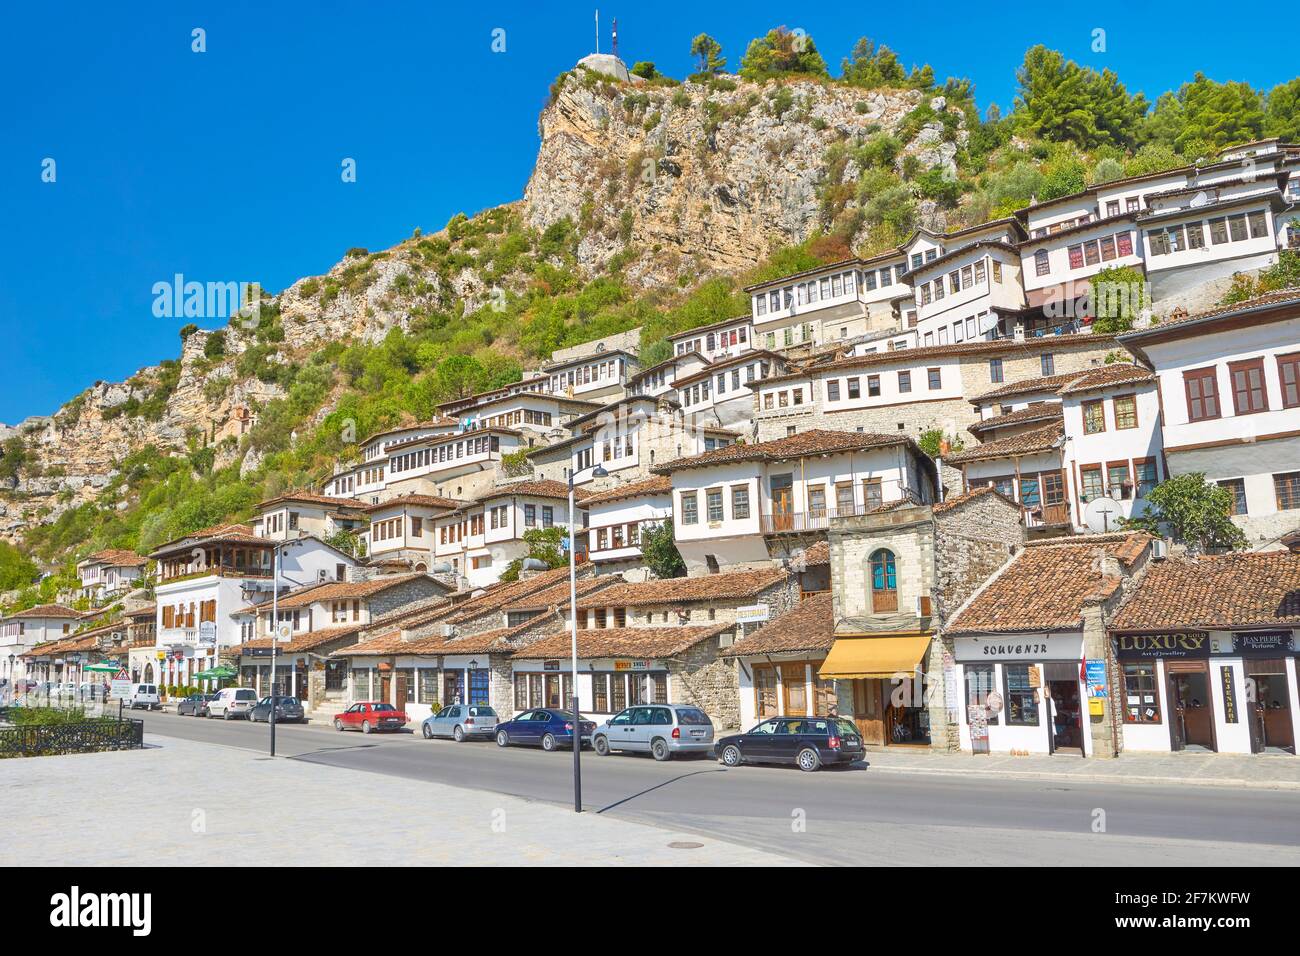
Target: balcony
{"points": [[178, 637], [819, 519]]}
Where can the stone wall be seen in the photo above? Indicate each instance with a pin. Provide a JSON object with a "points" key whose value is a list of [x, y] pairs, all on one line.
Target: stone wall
{"points": [[911, 418], [416, 591], [779, 597], [972, 542], [701, 678], [1025, 363]]}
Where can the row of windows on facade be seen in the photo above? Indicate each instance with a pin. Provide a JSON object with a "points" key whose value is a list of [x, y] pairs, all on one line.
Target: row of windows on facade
{"points": [[1248, 379], [596, 372], [520, 416], [1021, 702], [816, 497], [967, 277], [699, 392], [1132, 204], [715, 340], [1286, 492], [850, 387], [806, 293], [450, 451], [1046, 367], [499, 515], [969, 329], [1093, 252], [1223, 229]]}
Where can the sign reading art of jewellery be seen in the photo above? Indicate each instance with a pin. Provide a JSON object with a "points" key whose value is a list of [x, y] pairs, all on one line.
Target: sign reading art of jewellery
{"points": [[1175, 645]]}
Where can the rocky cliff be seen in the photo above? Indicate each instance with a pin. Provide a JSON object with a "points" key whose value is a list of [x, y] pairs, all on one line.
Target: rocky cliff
{"points": [[678, 181]]}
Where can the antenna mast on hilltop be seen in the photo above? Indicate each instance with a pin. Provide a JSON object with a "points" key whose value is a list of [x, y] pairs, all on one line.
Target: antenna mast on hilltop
{"points": [[616, 36], [597, 29]]}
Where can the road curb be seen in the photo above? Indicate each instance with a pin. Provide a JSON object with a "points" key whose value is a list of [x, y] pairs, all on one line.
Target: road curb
{"points": [[1141, 780]]}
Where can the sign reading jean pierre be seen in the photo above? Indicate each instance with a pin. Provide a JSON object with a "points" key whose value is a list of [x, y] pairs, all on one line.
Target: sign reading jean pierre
{"points": [[1268, 643], [1180, 644]]}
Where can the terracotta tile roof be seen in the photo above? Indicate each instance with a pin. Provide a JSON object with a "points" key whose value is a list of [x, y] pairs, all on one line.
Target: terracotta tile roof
{"points": [[538, 488], [419, 501], [493, 599], [707, 328], [340, 590], [1026, 443], [819, 553], [709, 587], [48, 610], [808, 627], [310, 498], [815, 441], [303, 642], [147, 610], [117, 558], [1046, 411], [495, 641], [638, 642], [1046, 586], [646, 487], [1116, 373], [1046, 383], [230, 533], [1219, 591], [440, 422], [915, 356], [557, 595], [956, 501]]}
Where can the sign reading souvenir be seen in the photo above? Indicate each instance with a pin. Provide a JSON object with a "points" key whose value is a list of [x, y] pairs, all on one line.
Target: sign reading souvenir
{"points": [[631, 665], [1263, 642], [1094, 673], [752, 613], [1229, 696], [1145, 646], [1049, 647]]}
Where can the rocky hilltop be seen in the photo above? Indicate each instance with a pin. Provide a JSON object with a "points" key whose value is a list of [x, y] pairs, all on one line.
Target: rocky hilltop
{"points": [[674, 183]]}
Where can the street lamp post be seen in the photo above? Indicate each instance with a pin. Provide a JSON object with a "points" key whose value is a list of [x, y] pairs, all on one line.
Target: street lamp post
{"points": [[275, 631], [597, 472]]}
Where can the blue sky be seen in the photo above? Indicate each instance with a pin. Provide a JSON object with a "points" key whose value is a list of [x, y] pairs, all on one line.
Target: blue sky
{"points": [[225, 166]]}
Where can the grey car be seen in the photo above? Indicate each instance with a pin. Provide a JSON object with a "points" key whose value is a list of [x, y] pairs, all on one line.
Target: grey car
{"points": [[460, 722], [660, 730], [287, 710]]}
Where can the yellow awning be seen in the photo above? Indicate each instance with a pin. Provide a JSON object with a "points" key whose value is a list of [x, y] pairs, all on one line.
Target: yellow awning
{"points": [[879, 657]]}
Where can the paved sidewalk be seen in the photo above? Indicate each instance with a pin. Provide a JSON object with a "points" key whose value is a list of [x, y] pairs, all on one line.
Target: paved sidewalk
{"points": [[183, 803], [1265, 771]]}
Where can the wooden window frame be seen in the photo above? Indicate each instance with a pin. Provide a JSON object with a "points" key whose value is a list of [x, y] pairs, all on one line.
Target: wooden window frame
{"points": [[1209, 374], [1290, 361], [1130, 396], [1084, 407], [1248, 365]]}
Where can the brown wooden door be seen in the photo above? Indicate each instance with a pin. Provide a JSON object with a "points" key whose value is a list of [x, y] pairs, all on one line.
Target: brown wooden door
{"points": [[868, 712], [794, 687], [386, 687], [400, 699], [1272, 707], [782, 503], [1192, 718]]}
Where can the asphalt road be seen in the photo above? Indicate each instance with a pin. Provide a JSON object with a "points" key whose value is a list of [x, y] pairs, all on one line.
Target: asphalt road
{"points": [[850, 816]]}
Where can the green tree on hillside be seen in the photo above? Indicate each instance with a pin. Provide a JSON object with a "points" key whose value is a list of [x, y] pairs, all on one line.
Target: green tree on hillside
{"points": [[1282, 112], [1064, 102], [659, 551], [1205, 115], [782, 51], [871, 67], [708, 55]]}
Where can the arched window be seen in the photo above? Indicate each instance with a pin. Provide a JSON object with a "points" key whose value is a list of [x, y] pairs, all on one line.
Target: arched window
{"points": [[884, 582]]}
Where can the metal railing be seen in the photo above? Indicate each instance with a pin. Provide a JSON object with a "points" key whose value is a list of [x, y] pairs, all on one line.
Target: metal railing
{"points": [[779, 522], [77, 737]]}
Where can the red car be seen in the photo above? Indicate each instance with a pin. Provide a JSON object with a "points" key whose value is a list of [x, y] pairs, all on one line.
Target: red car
{"points": [[369, 715]]}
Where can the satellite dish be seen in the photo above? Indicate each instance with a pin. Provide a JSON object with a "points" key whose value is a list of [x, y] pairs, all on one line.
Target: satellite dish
{"points": [[442, 567], [1200, 199], [1102, 515]]}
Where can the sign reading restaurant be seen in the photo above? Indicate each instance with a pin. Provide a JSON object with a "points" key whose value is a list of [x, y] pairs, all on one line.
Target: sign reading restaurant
{"points": [[1173, 644]]}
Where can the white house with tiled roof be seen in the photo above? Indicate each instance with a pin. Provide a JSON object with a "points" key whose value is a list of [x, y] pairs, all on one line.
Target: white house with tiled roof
{"points": [[618, 516], [1229, 392], [737, 506], [23, 630], [716, 341], [110, 572], [480, 539], [298, 513], [403, 528], [659, 379]]}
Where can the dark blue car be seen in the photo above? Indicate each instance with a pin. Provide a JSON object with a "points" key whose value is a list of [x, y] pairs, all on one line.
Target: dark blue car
{"points": [[545, 727]]}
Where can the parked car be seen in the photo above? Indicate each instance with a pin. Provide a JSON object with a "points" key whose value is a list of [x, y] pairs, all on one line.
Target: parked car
{"points": [[807, 742], [547, 728], [287, 711], [144, 695], [196, 705], [460, 722], [371, 715], [232, 702], [660, 730]]}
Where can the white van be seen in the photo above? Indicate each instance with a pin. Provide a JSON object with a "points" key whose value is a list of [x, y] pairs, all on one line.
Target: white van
{"points": [[144, 695], [232, 702]]}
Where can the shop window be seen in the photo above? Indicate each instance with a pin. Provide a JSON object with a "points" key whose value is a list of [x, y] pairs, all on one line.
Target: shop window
{"points": [[1141, 695], [884, 582], [1021, 698], [765, 691], [979, 684]]}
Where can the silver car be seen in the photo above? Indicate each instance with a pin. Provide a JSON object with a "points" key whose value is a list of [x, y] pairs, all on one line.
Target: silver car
{"points": [[660, 730], [460, 722]]}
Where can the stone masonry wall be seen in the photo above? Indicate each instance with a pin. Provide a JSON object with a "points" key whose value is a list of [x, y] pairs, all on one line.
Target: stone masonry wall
{"points": [[701, 678]]}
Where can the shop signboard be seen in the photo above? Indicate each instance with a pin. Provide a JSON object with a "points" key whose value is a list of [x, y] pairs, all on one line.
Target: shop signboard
{"points": [[120, 687], [979, 729], [1046, 647], [1094, 673], [631, 665], [1229, 695], [1263, 643], [207, 633], [752, 613], [1178, 644]]}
